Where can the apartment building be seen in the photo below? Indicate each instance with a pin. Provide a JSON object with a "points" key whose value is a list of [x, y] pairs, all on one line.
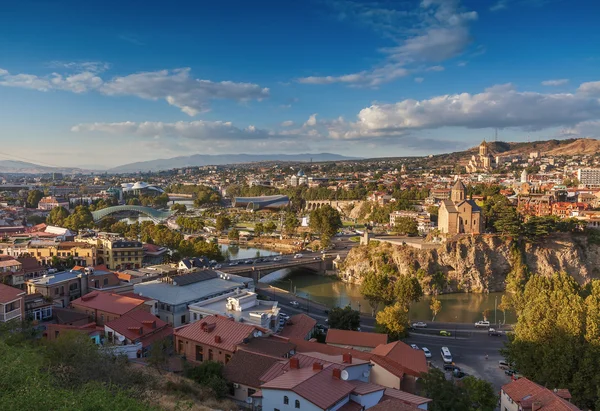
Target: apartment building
{"points": [[589, 177], [117, 253], [50, 202], [12, 303], [44, 252], [62, 287]]}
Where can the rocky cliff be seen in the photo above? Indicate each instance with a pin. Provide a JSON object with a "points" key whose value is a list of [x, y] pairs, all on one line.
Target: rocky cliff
{"points": [[477, 264]]}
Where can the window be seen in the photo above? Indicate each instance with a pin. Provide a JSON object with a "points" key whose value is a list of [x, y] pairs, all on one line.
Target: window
{"points": [[183, 319], [102, 317], [251, 392], [297, 405], [227, 358], [286, 400], [200, 353], [210, 354], [56, 291], [105, 281], [180, 347]]}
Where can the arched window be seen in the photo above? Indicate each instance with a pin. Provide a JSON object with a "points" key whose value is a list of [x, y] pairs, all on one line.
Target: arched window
{"points": [[286, 400], [297, 403]]}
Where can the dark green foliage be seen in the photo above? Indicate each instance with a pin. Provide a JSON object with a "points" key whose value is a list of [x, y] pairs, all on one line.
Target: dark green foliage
{"points": [[33, 198], [406, 225], [472, 395], [209, 374], [325, 221], [344, 318]]}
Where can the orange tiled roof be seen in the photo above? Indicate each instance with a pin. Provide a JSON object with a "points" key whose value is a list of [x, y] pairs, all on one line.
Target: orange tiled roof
{"points": [[298, 326], [129, 325], [526, 393], [355, 338], [109, 302], [405, 355], [230, 333], [8, 293]]}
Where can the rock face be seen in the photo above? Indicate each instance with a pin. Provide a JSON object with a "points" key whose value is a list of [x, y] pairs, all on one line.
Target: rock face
{"points": [[478, 263]]}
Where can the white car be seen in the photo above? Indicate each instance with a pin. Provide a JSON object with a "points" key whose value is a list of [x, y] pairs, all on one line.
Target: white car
{"points": [[426, 351], [298, 256], [414, 346], [218, 266], [420, 324], [277, 259], [482, 324], [294, 303]]}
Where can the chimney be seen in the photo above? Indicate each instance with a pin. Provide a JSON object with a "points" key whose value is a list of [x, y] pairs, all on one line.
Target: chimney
{"points": [[317, 366], [536, 406], [218, 339], [337, 374], [203, 325], [294, 364], [347, 358]]}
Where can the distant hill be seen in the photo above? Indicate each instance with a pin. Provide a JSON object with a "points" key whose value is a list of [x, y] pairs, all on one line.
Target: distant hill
{"points": [[198, 160], [22, 167]]}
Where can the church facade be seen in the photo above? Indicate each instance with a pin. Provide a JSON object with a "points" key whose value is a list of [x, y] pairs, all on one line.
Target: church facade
{"points": [[483, 162], [459, 215]]}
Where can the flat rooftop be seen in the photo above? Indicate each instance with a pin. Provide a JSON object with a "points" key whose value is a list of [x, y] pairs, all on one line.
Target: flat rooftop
{"points": [[55, 278]]}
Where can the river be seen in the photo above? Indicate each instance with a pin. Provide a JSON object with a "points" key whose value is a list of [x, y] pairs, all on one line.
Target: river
{"points": [[234, 252], [330, 291]]}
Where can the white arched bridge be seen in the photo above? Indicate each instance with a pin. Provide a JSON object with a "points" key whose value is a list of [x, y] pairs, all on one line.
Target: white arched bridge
{"points": [[156, 215]]}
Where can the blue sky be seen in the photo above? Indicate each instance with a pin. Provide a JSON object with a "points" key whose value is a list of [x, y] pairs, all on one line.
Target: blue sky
{"points": [[107, 83]]}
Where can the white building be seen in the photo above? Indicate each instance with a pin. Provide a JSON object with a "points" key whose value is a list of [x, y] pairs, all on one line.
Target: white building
{"points": [[589, 177]]}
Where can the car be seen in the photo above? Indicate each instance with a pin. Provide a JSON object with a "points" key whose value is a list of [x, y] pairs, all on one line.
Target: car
{"points": [[495, 333], [419, 324], [510, 372], [298, 256], [482, 324], [458, 374], [218, 266], [426, 351], [445, 333], [233, 263], [414, 346], [451, 367], [277, 259], [294, 303], [248, 262], [504, 365], [316, 258]]}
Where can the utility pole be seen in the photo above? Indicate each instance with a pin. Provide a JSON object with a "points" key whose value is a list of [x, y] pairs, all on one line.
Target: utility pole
{"points": [[495, 311]]}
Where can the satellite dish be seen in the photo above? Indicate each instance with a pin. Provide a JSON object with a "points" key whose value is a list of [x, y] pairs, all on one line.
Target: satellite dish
{"points": [[121, 338], [344, 375]]}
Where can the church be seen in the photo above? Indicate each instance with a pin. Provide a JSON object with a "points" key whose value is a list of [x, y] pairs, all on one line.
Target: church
{"points": [[483, 162], [459, 215]]}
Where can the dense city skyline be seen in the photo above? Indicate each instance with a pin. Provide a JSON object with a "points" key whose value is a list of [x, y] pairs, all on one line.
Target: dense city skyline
{"points": [[95, 87]]}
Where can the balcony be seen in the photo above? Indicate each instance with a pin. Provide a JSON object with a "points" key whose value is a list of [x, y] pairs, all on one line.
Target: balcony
{"points": [[4, 317]]}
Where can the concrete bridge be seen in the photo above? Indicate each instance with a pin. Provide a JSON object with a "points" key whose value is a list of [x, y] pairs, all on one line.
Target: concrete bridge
{"points": [[339, 205], [156, 215], [256, 272]]}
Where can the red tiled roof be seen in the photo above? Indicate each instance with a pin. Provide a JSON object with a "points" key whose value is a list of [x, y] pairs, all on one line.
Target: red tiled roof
{"points": [[8, 293], [277, 347], [298, 326], [246, 367], [355, 338], [351, 406], [392, 404], [363, 388], [319, 387], [406, 397], [403, 354], [526, 393], [9, 263], [129, 325], [231, 333], [29, 264], [109, 302]]}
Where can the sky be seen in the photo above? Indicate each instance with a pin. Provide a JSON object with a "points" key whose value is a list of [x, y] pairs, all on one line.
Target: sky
{"points": [[105, 83]]}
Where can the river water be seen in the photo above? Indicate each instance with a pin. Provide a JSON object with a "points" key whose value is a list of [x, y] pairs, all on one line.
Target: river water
{"points": [[232, 252], [330, 291]]}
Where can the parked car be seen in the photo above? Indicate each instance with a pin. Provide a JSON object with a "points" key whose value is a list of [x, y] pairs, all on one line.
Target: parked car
{"points": [[458, 374], [445, 333], [298, 256], [218, 266], [510, 372], [294, 304], [495, 333], [504, 365], [482, 324], [414, 346], [248, 262], [233, 263], [450, 367], [427, 352], [419, 324], [277, 259]]}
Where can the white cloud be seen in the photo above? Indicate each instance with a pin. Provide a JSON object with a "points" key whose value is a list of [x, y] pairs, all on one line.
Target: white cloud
{"points": [[176, 87], [287, 123], [81, 66], [435, 68], [419, 79], [180, 90], [592, 87], [499, 106], [312, 121], [585, 129], [557, 82], [499, 5], [435, 31]]}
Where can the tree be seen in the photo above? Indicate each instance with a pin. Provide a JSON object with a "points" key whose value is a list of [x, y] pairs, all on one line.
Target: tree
{"points": [[435, 306], [480, 393], [222, 223], [344, 318], [233, 234], [259, 229], [472, 394], [180, 208], [377, 289], [406, 225], [290, 223], [394, 320], [270, 227], [506, 220], [81, 218], [486, 314], [325, 221], [33, 198], [160, 353], [209, 374], [57, 216], [408, 290]]}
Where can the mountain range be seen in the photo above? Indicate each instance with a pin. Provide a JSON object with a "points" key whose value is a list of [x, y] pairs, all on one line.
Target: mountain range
{"points": [[198, 160]]}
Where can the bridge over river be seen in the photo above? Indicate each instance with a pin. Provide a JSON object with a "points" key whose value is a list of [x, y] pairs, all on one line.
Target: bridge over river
{"points": [[157, 216], [258, 270]]}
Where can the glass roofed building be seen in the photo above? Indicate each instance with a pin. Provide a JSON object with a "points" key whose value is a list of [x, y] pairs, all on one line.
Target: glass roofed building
{"points": [[259, 203]]}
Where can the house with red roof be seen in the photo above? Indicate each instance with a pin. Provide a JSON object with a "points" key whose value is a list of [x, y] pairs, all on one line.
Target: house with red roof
{"points": [[315, 381], [362, 341], [12, 303], [102, 307], [214, 338], [137, 327], [525, 395], [299, 326]]}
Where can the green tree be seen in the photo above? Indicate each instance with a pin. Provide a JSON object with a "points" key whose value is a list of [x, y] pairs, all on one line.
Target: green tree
{"points": [[33, 198], [325, 221], [471, 395], [180, 208], [435, 306], [259, 229], [57, 216], [270, 227], [344, 318], [506, 220], [80, 219], [290, 223], [209, 374], [377, 289], [408, 290], [406, 225], [481, 394], [233, 234], [393, 319], [159, 354], [222, 222]]}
